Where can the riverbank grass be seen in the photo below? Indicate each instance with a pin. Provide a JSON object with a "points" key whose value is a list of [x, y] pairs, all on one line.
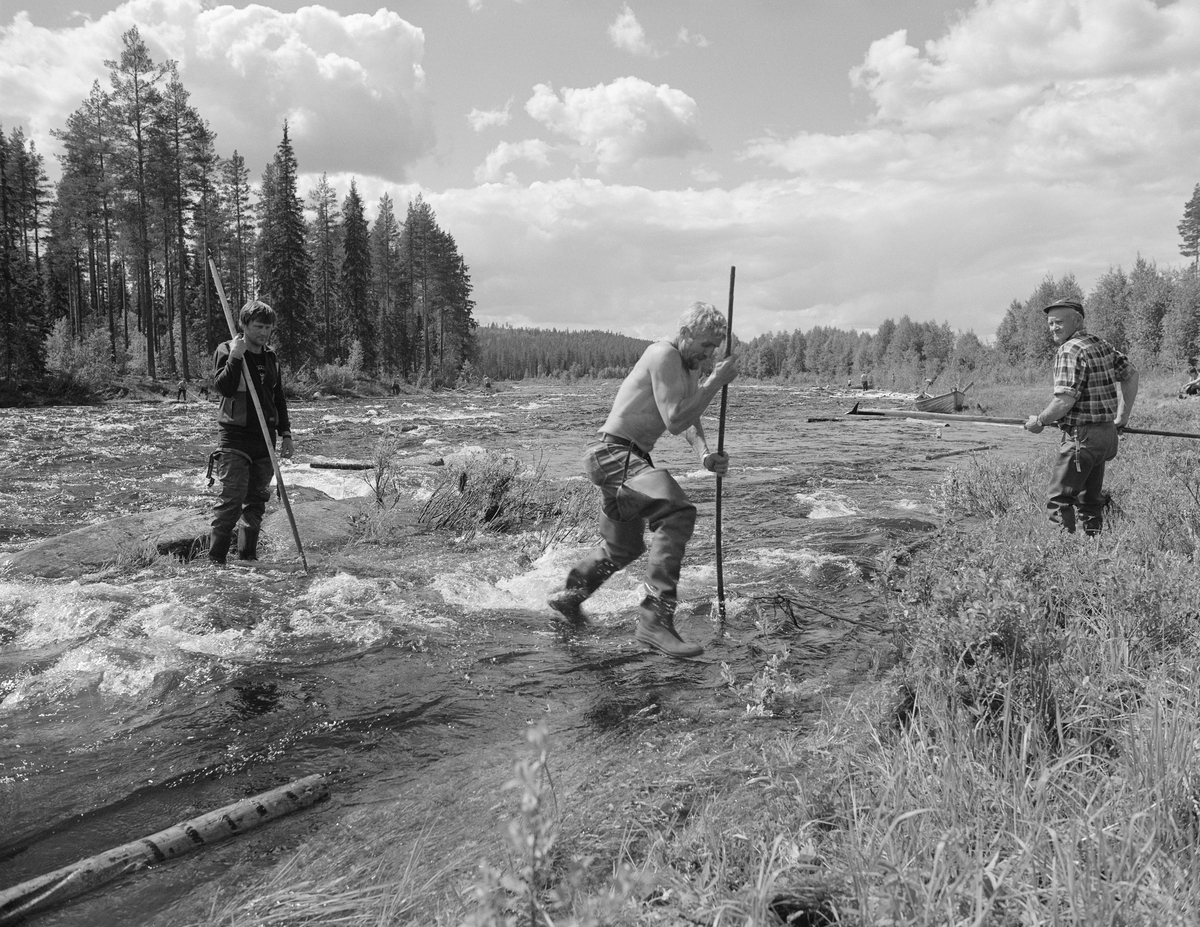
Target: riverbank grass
{"points": [[1029, 758]]}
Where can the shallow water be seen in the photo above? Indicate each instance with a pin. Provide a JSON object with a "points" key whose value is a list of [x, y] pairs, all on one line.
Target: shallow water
{"points": [[135, 700]]}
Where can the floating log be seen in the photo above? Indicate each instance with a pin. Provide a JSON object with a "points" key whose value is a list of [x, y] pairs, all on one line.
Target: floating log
{"points": [[71, 881], [325, 463]]}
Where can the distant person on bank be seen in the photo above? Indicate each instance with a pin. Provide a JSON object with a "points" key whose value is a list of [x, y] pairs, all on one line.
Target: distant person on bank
{"points": [[662, 393], [243, 460], [1095, 386]]}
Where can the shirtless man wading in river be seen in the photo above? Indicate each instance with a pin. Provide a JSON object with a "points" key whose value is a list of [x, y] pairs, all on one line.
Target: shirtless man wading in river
{"points": [[662, 393]]}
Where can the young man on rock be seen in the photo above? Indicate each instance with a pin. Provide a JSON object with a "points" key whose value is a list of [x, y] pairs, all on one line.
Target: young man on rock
{"points": [[662, 393], [243, 460]]}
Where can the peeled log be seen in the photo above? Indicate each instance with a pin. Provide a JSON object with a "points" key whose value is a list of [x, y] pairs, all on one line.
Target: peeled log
{"points": [[71, 881]]}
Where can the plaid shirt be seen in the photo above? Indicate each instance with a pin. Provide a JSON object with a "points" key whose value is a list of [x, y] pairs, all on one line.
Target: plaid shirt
{"points": [[1089, 369]]}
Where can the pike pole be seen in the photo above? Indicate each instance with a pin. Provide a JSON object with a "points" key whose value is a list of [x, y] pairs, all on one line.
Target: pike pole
{"points": [[721, 450], [262, 419]]}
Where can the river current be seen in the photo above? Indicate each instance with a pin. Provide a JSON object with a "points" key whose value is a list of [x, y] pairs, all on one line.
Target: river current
{"points": [[130, 700]]}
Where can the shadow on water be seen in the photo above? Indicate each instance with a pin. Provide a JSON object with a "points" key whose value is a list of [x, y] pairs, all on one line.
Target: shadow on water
{"points": [[128, 704]]}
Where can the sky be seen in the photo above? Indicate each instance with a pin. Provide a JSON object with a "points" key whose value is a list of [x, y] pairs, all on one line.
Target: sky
{"points": [[604, 164]]}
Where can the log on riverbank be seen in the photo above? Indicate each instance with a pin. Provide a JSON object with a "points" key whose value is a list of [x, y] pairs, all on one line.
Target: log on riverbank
{"points": [[72, 881]]}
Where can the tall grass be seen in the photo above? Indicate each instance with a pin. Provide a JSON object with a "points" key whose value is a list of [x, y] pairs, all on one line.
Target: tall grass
{"points": [[1030, 758]]}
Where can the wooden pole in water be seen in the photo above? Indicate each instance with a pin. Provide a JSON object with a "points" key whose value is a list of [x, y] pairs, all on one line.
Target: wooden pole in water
{"points": [[74, 880], [262, 419], [988, 420], [721, 450]]}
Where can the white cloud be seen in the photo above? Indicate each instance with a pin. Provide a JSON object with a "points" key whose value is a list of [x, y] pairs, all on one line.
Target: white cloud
{"points": [[622, 122], [533, 150], [1099, 91], [628, 35], [481, 119], [351, 85], [685, 37]]}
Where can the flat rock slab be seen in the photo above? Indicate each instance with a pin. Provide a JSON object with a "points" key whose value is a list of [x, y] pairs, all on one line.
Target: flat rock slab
{"points": [[86, 550], [322, 523]]}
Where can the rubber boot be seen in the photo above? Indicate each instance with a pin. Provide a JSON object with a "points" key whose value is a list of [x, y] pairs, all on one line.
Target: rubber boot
{"points": [[656, 628], [218, 547], [569, 602], [247, 543]]}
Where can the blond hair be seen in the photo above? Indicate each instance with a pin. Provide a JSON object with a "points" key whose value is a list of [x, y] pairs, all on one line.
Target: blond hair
{"points": [[702, 317]]}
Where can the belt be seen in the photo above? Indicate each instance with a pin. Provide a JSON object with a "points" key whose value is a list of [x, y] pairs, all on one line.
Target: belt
{"points": [[1071, 428], [623, 442]]}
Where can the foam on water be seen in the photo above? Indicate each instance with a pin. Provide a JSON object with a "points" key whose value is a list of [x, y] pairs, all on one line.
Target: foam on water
{"points": [[358, 610], [824, 504], [803, 560], [70, 611]]}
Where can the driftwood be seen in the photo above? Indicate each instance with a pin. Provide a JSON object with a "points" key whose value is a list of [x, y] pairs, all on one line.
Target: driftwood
{"points": [[329, 463], [71, 881]]}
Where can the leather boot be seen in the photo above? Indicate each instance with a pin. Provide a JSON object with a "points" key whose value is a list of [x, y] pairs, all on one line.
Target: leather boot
{"points": [[247, 543], [218, 547], [656, 628]]}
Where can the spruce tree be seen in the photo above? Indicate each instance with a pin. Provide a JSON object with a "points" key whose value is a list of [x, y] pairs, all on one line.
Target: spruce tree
{"points": [[356, 279], [283, 260], [324, 244]]}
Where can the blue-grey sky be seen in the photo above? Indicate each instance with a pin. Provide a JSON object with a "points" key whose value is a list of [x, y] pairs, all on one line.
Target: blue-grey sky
{"points": [[602, 164]]}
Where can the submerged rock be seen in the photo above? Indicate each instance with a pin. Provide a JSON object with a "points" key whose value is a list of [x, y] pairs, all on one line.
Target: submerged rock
{"points": [[322, 523], [130, 537]]}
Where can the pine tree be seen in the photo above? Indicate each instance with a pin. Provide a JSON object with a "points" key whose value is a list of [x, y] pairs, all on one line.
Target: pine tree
{"points": [[387, 290], [135, 94], [1189, 228], [283, 261]]}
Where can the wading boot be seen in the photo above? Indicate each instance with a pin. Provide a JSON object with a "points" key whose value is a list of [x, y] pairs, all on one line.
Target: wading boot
{"points": [[218, 547], [656, 628], [247, 543], [581, 583], [569, 604]]}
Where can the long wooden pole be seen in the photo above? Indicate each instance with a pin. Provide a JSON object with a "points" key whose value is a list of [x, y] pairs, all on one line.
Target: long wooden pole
{"points": [[262, 419], [989, 420], [721, 450], [71, 881]]}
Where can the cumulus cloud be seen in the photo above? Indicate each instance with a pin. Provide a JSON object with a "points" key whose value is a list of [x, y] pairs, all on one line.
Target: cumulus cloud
{"points": [[481, 119], [685, 37], [351, 86], [628, 35], [1103, 91], [621, 123], [533, 150]]}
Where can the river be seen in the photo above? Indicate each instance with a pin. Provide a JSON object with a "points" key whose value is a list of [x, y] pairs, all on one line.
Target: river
{"points": [[133, 700]]}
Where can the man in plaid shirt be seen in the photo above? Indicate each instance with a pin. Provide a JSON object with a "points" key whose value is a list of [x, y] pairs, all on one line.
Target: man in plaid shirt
{"points": [[1094, 389]]}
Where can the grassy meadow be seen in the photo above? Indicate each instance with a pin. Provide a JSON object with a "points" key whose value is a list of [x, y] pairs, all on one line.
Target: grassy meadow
{"points": [[1029, 756]]}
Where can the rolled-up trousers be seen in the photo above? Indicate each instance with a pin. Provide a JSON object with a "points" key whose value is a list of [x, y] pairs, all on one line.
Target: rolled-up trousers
{"points": [[634, 495]]}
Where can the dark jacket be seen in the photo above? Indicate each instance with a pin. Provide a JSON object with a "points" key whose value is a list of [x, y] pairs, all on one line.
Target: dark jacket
{"points": [[237, 411]]}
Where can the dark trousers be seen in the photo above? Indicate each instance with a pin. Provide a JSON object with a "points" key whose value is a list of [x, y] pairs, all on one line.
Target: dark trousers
{"points": [[1077, 477], [635, 495], [245, 490]]}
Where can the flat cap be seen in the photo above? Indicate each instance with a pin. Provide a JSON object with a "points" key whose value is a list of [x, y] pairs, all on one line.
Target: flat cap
{"points": [[1066, 304]]}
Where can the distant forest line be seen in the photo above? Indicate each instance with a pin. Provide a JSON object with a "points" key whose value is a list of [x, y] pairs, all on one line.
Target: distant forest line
{"points": [[1151, 314]]}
